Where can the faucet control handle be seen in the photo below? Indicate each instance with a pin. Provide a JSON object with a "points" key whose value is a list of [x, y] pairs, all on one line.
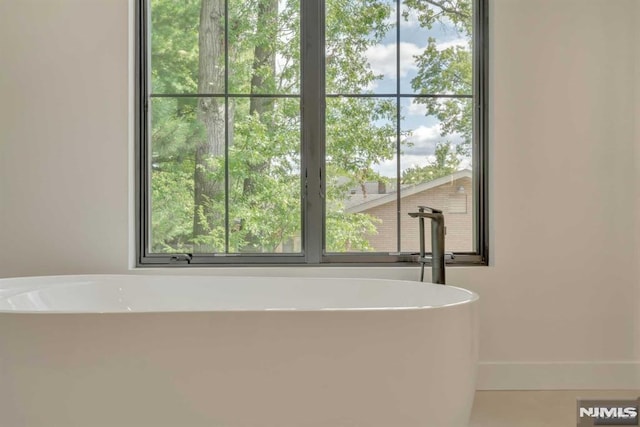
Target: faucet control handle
{"points": [[433, 210], [448, 256]]}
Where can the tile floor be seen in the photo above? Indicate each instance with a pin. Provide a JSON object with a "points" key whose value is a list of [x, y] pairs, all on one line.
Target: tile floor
{"points": [[534, 408]]}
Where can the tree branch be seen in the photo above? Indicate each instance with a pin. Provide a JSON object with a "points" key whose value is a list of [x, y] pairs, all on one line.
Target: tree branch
{"points": [[446, 9]]}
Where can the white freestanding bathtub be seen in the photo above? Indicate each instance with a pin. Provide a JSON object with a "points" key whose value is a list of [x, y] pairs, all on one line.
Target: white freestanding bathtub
{"points": [[175, 351]]}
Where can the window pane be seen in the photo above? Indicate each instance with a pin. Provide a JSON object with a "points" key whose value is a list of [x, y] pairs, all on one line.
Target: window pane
{"points": [[436, 169], [360, 47], [361, 210], [187, 175], [224, 127], [436, 47], [265, 211], [176, 47], [264, 47]]}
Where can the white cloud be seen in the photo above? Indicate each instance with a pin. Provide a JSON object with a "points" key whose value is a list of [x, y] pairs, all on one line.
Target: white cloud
{"points": [[382, 58], [420, 154], [416, 109], [466, 163], [410, 161], [424, 139], [423, 135], [387, 168]]}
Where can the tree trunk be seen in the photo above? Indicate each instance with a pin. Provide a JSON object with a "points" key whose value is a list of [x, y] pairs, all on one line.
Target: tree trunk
{"points": [[262, 82], [208, 181], [264, 57]]}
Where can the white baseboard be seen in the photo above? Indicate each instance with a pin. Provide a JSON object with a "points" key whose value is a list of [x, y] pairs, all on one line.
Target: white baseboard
{"points": [[559, 376]]}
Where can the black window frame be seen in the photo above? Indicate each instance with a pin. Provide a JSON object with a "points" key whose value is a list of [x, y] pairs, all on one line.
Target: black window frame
{"points": [[312, 97]]}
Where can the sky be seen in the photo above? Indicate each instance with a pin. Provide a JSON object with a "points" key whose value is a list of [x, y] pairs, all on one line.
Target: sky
{"points": [[382, 59]]}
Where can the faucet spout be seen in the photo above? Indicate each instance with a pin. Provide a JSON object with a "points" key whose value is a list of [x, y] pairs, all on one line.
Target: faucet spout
{"points": [[437, 242]]}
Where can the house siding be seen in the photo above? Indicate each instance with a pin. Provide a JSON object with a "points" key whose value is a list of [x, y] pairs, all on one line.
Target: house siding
{"points": [[459, 224]]}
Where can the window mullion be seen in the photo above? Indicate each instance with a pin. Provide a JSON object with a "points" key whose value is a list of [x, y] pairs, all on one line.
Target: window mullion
{"points": [[398, 136], [226, 127], [313, 125]]}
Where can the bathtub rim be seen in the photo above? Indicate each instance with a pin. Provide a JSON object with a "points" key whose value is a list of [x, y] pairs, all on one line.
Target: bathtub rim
{"points": [[472, 297]]}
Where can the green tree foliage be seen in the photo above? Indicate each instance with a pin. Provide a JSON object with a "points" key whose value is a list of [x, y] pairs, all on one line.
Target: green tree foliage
{"points": [[191, 159]]}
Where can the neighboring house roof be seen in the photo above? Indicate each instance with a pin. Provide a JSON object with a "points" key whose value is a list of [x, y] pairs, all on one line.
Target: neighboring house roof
{"points": [[362, 202]]}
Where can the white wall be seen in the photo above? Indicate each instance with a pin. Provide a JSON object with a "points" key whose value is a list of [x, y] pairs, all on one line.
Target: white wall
{"points": [[64, 136], [560, 301], [564, 281]]}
